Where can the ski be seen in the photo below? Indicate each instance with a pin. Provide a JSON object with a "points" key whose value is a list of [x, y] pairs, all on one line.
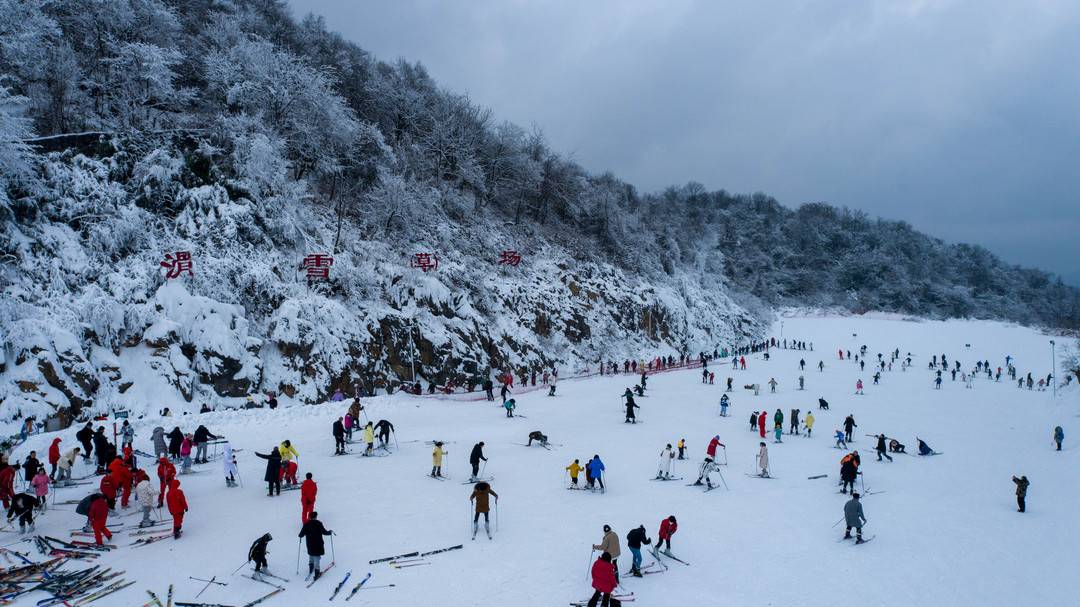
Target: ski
{"points": [[106, 591], [259, 579], [865, 541], [328, 568], [670, 478], [479, 479], [410, 565], [356, 588], [154, 599], [438, 478], [673, 557], [430, 552], [759, 476], [810, 478], [268, 574], [272, 593], [340, 585], [143, 541], [186, 604], [393, 558], [168, 600]]}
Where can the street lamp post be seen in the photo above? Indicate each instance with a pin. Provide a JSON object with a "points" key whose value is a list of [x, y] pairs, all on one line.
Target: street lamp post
{"points": [[1053, 373]]}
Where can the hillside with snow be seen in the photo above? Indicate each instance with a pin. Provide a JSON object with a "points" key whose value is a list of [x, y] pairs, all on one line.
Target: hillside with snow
{"points": [[945, 528]]}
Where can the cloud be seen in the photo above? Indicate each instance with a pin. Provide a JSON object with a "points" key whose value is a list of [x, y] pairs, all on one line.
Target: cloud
{"points": [[958, 116]]}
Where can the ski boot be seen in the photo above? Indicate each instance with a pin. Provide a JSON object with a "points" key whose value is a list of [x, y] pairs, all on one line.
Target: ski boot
{"points": [[475, 526], [487, 529], [697, 483], [847, 535], [859, 540]]}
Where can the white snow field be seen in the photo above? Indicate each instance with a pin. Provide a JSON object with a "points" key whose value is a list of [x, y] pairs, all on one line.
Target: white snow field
{"points": [[946, 528]]}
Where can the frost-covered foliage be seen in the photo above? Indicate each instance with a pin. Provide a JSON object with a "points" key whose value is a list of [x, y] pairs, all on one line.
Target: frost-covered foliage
{"points": [[130, 129]]}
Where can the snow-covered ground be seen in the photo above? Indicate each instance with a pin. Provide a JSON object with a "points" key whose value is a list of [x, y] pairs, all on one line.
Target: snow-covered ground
{"points": [[946, 528]]}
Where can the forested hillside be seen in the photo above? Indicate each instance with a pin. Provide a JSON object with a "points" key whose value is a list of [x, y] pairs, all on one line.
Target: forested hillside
{"points": [[135, 129]]}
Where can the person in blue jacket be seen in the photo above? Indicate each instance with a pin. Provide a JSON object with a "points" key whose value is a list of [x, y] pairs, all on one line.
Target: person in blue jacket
{"points": [[1059, 436], [509, 405], [840, 443], [596, 470]]}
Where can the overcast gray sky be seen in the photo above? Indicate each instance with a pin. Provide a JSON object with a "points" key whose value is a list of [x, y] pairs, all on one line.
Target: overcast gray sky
{"points": [[961, 117]]}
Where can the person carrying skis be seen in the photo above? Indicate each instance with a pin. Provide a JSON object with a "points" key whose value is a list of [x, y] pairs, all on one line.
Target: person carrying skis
{"points": [[808, 423], [178, 506], [634, 540], [723, 405], [605, 579], [369, 439], [308, 491], [854, 517], [849, 471], [145, 494], [273, 471], [201, 438], [574, 469], [22, 506], [1059, 436], [596, 472], [509, 405], [668, 454], [881, 452], [384, 429], [480, 498], [313, 532], [54, 457], [99, 518], [229, 466], [761, 422], [763, 460], [610, 544], [258, 552], [1022, 485], [338, 430], [668, 527], [924, 449], [436, 459], [630, 406], [538, 436], [476, 456], [849, 426], [682, 448]]}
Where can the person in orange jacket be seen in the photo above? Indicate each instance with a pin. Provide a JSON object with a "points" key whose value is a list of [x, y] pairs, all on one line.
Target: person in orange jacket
{"points": [[54, 457], [177, 506], [308, 489], [99, 516], [122, 476], [108, 489], [166, 472]]}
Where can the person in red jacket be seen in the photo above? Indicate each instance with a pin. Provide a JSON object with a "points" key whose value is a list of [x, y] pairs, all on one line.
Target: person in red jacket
{"points": [[761, 423], [54, 457], [7, 483], [604, 582], [108, 489], [177, 506], [122, 476], [288, 472], [668, 527], [99, 516], [166, 472], [308, 489]]}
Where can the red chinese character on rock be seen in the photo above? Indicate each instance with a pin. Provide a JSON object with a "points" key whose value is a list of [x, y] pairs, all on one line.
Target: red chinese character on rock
{"points": [[177, 263], [424, 261], [318, 266], [509, 258]]}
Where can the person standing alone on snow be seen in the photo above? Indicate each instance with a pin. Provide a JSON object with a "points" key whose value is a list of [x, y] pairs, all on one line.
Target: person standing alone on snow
{"points": [[1022, 485], [1059, 436], [481, 498], [853, 517], [666, 456], [436, 459], [763, 460], [475, 457], [338, 430]]}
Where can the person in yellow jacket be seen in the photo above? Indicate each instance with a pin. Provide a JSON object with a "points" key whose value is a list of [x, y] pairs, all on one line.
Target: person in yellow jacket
{"points": [[436, 460], [369, 438], [574, 469], [287, 451], [808, 421], [682, 448]]}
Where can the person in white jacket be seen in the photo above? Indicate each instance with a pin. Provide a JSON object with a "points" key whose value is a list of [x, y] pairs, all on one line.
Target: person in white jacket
{"points": [[64, 466], [229, 464], [147, 494], [763, 460]]}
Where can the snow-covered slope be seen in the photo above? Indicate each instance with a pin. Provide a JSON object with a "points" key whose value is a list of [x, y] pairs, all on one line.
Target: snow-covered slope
{"points": [[946, 528]]}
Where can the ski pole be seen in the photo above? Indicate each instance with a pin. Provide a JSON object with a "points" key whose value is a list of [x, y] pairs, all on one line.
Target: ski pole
{"points": [[483, 469], [248, 561], [333, 557], [588, 566], [496, 515], [298, 555]]}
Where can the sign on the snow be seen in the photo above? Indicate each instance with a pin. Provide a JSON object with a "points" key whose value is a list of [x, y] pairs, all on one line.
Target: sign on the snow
{"points": [[424, 261], [177, 263], [509, 258], [317, 266]]}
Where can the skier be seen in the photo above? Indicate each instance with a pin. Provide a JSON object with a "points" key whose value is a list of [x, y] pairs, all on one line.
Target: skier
{"points": [[555, 380], [22, 506], [778, 419], [794, 422], [480, 497], [121, 475], [1022, 485], [604, 580], [436, 459], [634, 540], [30, 466], [475, 457], [40, 484], [709, 464], [165, 472], [772, 385], [668, 527], [313, 532], [763, 460], [808, 423], [176, 436], [858, 387], [347, 423], [896, 446], [849, 426], [924, 449], [158, 437], [610, 545], [630, 406], [778, 431], [99, 517], [705, 375], [596, 473], [308, 491], [682, 448], [177, 506], [54, 457], [273, 471], [1059, 436], [185, 454], [201, 437], [488, 385], [761, 422], [509, 405], [538, 436], [881, 448], [728, 385], [753, 420], [145, 494], [723, 405], [849, 471], [840, 443], [85, 436], [575, 468], [338, 430], [67, 461], [385, 428], [287, 471], [257, 552], [369, 439], [666, 456], [853, 517], [822, 404], [802, 382], [229, 466]]}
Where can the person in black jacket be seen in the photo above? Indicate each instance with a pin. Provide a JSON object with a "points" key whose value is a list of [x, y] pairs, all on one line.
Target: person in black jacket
{"points": [[22, 506], [313, 532], [257, 552], [384, 428], [273, 472], [85, 436], [30, 466], [475, 457], [881, 451], [202, 436], [339, 437], [634, 540], [104, 453], [175, 438]]}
